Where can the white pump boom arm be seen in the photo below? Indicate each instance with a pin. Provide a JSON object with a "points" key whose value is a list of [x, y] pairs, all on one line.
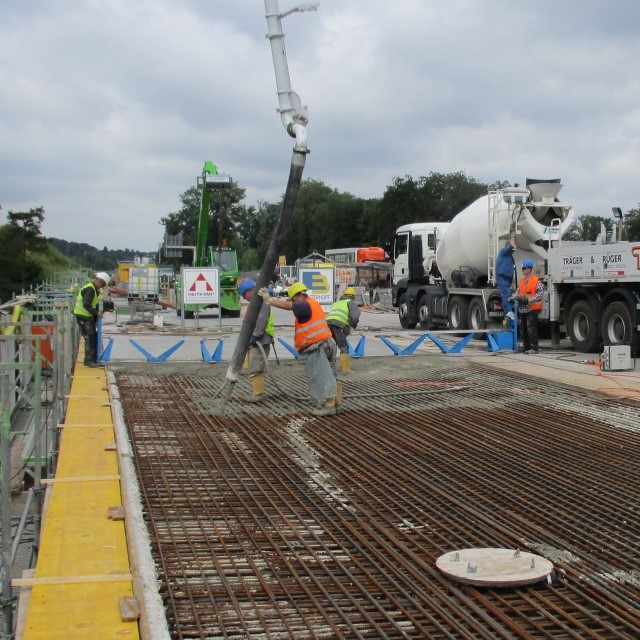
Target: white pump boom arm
{"points": [[293, 113]]}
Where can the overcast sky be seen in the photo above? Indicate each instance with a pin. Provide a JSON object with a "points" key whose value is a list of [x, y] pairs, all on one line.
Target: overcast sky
{"points": [[109, 108]]}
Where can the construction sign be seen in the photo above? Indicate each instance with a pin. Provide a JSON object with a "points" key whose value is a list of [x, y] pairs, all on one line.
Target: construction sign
{"points": [[200, 285], [319, 283]]}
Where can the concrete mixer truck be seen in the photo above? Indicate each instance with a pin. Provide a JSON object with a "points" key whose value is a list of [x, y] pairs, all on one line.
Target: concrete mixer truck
{"points": [[444, 273]]}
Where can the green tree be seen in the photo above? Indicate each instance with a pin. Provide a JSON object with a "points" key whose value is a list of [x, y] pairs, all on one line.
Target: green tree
{"points": [[21, 241], [225, 212], [436, 197], [587, 228], [631, 225]]}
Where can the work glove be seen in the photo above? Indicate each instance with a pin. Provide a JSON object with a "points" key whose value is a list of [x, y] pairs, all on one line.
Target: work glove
{"points": [[524, 300], [264, 294], [99, 314], [254, 341]]}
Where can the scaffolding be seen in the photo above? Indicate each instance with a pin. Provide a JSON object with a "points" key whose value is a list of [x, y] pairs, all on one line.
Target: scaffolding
{"points": [[38, 344]]}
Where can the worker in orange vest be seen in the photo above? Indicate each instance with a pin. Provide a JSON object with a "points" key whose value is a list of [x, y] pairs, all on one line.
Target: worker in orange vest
{"points": [[530, 292], [314, 343]]}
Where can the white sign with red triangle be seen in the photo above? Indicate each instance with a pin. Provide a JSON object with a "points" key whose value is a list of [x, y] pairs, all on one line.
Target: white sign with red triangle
{"points": [[200, 285]]}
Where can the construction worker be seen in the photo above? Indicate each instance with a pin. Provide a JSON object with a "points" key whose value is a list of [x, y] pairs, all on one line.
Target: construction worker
{"points": [[342, 317], [530, 292], [313, 342], [87, 314], [263, 335], [505, 268]]}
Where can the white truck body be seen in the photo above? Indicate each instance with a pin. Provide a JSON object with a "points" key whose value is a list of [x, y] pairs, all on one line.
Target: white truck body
{"points": [[592, 290]]}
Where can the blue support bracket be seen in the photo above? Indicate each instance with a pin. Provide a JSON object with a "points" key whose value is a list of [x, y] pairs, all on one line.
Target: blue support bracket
{"points": [[407, 351], [500, 340], [105, 354], [216, 356], [457, 348], [358, 352], [289, 348], [162, 357]]}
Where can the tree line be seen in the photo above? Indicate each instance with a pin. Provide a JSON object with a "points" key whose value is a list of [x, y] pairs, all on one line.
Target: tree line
{"points": [[324, 218]]}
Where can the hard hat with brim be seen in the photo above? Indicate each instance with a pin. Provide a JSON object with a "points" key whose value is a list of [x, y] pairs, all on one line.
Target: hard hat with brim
{"points": [[296, 288], [350, 291], [527, 264], [105, 277], [246, 285]]}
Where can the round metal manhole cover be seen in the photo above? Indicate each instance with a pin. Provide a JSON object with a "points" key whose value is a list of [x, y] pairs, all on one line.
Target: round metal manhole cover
{"points": [[491, 567]]}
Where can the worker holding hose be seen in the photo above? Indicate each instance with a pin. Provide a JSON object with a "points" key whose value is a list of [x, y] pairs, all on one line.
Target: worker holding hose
{"points": [[505, 267], [314, 343], [261, 341]]}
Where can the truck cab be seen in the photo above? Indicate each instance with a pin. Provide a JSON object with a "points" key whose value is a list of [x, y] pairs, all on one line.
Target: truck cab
{"points": [[414, 262], [423, 238]]}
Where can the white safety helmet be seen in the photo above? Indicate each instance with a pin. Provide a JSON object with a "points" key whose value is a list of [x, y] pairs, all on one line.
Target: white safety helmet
{"points": [[104, 277]]}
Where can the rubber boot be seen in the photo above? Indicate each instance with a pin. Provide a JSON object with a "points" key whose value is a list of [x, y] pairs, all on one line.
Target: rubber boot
{"points": [[329, 408], [257, 388], [344, 363]]}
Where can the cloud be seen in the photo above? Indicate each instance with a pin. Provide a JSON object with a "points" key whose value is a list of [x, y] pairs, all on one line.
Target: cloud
{"points": [[111, 107]]}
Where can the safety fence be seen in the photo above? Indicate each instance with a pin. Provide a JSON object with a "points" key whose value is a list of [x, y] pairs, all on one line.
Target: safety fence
{"points": [[38, 343]]}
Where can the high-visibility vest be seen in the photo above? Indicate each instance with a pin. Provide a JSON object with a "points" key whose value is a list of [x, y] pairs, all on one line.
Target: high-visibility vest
{"points": [[270, 329], [79, 309], [314, 330], [340, 312], [527, 287]]}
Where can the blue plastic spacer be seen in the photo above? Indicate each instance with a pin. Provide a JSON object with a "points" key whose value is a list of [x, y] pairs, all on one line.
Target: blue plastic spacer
{"points": [[358, 352], [216, 356], [407, 351], [162, 357], [105, 356]]}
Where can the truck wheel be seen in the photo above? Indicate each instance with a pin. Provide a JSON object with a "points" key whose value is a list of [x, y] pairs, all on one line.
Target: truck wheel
{"points": [[404, 309], [582, 327], [477, 320], [424, 314], [459, 313], [617, 327]]}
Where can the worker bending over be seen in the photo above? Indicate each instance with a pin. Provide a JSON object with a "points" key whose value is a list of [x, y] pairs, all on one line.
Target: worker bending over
{"points": [[344, 316], [87, 314], [313, 342], [261, 341]]}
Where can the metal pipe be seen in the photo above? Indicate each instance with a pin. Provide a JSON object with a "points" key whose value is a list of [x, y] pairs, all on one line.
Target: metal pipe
{"points": [[293, 113], [294, 118], [270, 260], [5, 490]]}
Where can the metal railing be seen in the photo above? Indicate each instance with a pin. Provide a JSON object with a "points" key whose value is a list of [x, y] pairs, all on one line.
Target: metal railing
{"points": [[38, 343]]}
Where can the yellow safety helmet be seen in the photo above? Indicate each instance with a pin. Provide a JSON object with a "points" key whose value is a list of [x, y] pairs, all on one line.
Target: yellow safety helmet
{"points": [[295, 288], [350, 291]]}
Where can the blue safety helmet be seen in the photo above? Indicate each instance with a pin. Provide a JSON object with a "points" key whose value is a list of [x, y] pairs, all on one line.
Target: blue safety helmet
{"points": [[246, 285], [527, 264]]}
